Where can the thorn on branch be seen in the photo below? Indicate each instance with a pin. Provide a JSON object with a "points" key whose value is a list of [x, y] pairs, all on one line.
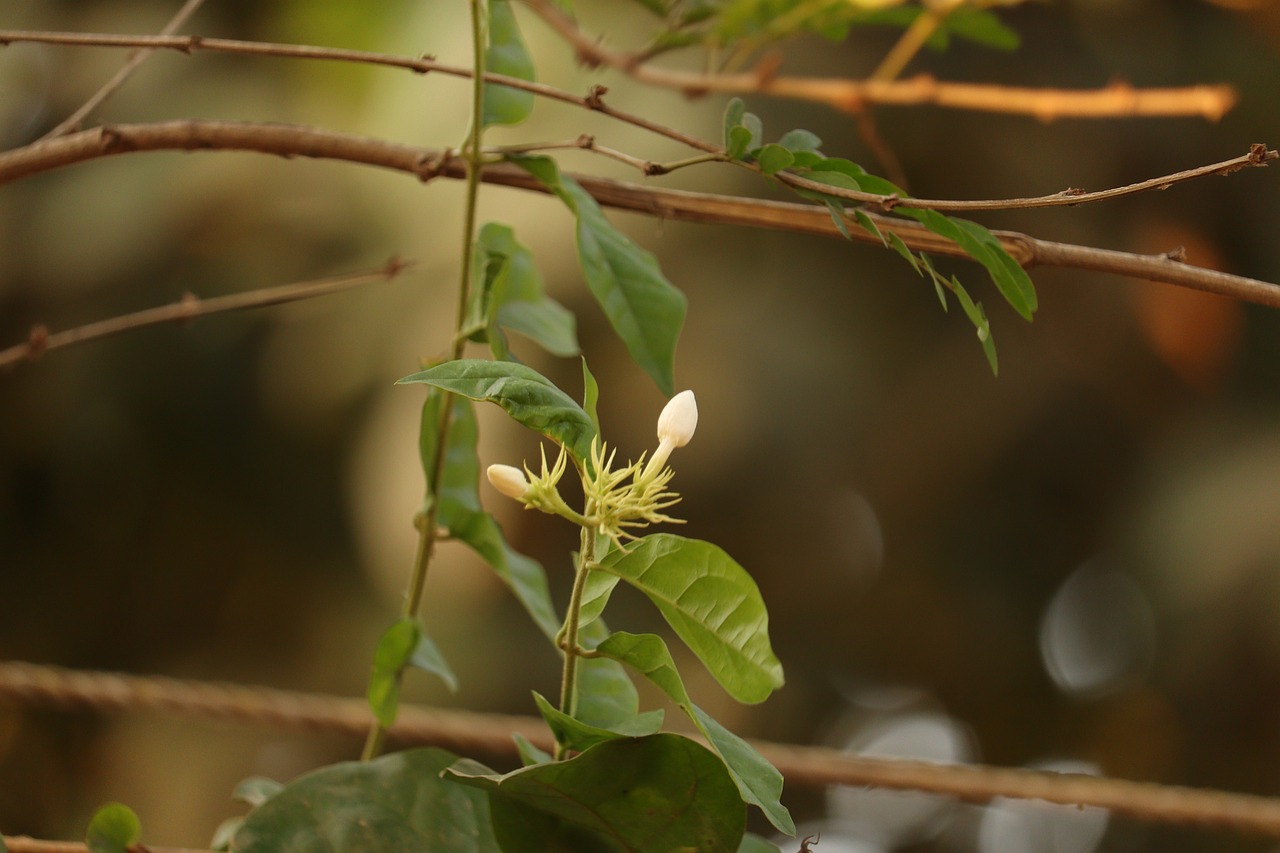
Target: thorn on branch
{"points": [[595, 97]]}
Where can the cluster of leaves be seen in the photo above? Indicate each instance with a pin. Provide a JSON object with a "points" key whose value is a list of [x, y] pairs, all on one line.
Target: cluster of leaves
{"points": [[797, 152]]}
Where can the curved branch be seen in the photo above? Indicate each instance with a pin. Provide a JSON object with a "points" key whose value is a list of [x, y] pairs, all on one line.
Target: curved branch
{"points": [[426, 164], [1114, 101], [490, 734]]}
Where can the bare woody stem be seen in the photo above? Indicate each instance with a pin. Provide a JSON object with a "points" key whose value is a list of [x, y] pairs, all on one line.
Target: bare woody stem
{"points": [[1117, 100], [293, 141], [190, 307]]}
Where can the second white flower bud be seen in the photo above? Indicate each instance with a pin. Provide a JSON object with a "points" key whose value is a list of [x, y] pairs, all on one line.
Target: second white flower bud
{"points": [[678, 420]]}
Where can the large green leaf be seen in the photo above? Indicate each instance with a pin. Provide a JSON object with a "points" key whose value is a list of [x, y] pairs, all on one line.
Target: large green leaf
{"points": [[663, 792], [459, 507], [758, 781], [388, 805], [984, 247], [114, 828], [525, 394], [645, 310], [506, 55], [712, 603]]}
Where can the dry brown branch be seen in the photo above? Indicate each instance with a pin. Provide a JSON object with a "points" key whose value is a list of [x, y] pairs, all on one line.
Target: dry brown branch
{"points": [[490, 734], [24, 844], [41, 340], [1117, 100], [1258, 155], [291, 141], [75, 121]]}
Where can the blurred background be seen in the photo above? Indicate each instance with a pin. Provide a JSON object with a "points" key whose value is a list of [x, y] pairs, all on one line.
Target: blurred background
{"points": [[1073, 566]]}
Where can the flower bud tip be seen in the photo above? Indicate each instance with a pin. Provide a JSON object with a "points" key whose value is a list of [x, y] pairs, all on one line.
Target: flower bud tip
{"points": [[678, 420]]}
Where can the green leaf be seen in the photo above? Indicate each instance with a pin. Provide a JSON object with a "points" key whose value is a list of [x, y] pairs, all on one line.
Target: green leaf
{"points": [[739, 143], [579, 736], [663, 792], [459, 507], [984, 247], [773, 158], [800, 140], [758, 781], [529, 753], [973, 310], [835, 207], [711, 603], [909, 256], [508, 293], [595, 595], [869, 225], [752, 843], [394, 803], [222, 836], [645, 310], [256, 790], [733, 113], [982, 27], [389, 660], [526, 395], [506, 55], [114, 828], [606, 694], [590, 396]]}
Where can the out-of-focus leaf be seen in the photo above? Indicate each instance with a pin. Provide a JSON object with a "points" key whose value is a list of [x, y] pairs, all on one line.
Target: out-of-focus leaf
{"points": [[506, 55], [590, 396], [508, 293], [528, 752], [256, 790], [645, 310], [800, 140], [758, 781], [752, 843], [773, 158], [394, 803], [663, 792]]}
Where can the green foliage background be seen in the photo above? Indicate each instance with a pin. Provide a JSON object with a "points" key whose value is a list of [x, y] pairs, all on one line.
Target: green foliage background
{"points": [[233, 499]]}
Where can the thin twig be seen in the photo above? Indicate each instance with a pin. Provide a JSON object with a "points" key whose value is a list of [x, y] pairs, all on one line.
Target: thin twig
{"points": [[34, 685], [189, 307], [75, 121], [26, 844], [1113, 101], [294, 141], [594, 101], [421, 65]]}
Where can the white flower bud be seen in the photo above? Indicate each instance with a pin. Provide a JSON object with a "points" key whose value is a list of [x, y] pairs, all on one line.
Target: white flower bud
{"points": [[678, 420], [509, 480]]}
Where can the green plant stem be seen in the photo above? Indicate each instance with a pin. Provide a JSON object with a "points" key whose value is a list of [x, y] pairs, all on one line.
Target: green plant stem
{"points": [[569, 678], [426, 521]]}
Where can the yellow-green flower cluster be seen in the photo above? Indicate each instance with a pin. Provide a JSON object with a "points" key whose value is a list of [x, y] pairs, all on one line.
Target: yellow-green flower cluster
{"points": [[618, 501]]}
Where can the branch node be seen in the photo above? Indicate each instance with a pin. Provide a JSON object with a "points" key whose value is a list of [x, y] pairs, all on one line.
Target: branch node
{"points": [[37, 341], [1178, 255], [889, 202], [595, 97], [192, 43], [650, 169], [113, 141], [1259, 155], [188, 307], [586, 141], [424, 63], [394, 266], [428, 166]]}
